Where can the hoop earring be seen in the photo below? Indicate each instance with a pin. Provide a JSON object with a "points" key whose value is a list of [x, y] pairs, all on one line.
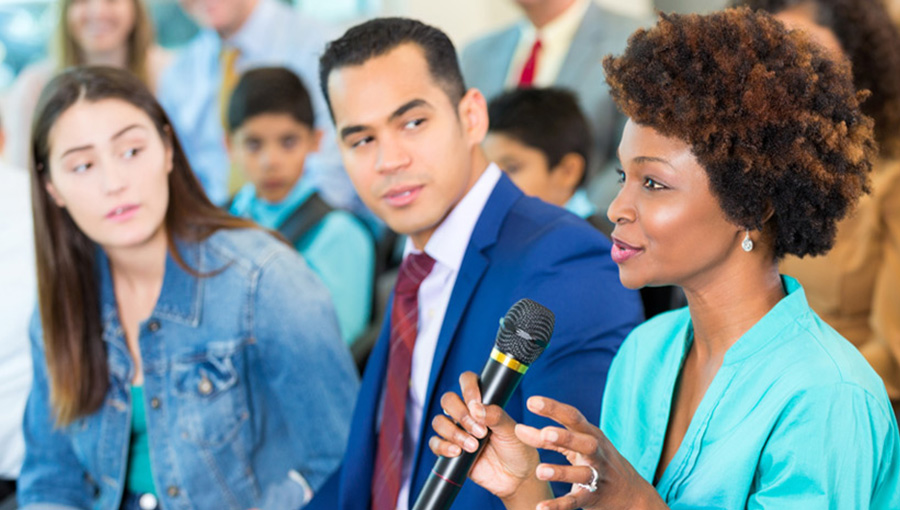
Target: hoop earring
{"points": [[747, 243]]}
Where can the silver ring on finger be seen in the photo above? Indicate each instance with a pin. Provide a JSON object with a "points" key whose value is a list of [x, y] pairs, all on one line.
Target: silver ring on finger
{"points": [[591, 487]]}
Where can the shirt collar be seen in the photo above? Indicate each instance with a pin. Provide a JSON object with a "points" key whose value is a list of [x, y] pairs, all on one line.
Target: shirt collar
{"points": [[580, 205], [792, 307], [448, 244], [180, 297], [561, 30]]}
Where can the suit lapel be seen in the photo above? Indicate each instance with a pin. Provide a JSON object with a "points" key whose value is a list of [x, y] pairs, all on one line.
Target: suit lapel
{"points": [[583, 50], [474, 264]]}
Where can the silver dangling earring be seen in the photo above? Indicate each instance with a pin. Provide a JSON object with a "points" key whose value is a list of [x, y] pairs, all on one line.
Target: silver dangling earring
{"points": [[747, 244]]}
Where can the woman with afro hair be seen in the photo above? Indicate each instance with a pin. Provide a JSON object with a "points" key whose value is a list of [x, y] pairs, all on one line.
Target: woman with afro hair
{"points": [[745, 143], [855, 287]]}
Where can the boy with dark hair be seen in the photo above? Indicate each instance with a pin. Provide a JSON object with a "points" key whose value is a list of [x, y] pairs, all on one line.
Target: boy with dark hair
{"points": [[410, 136], [541, 139], [271, 131]]}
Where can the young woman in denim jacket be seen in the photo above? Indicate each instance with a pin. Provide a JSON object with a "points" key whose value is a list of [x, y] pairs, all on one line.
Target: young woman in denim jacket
{"points": [[183, 358]]}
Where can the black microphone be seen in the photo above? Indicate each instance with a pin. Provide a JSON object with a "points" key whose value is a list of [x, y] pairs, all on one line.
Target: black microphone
{"points": [[523, 335]]}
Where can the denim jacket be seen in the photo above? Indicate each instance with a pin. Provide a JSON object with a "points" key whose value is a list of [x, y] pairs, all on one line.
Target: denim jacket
{"points": [[248, 389]]}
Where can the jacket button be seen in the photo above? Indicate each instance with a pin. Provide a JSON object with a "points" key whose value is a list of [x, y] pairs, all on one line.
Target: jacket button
{"points": [[172, 491], [205, 387], [154, 403], [153, 326]]}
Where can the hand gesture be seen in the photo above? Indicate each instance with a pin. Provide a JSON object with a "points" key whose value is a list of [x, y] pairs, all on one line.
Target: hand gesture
{"points": [[606, 479]]}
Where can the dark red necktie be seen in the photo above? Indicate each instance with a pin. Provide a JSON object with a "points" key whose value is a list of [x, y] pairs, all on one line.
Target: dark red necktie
{"points": [[404, 328], [530, 69]]}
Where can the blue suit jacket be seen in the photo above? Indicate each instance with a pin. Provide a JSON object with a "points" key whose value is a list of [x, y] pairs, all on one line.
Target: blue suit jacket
{"points": [[520, 247]]}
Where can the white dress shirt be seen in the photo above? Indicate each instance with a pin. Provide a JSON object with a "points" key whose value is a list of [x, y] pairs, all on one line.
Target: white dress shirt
{"points": [[447, 247], [556, 37], [17, 279]]}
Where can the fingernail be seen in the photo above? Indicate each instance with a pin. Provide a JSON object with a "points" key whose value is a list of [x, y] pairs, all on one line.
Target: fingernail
{"points": [[454, 450], [479, 430], [471, 445], [535, 404], [552, 435], [544, 472]]}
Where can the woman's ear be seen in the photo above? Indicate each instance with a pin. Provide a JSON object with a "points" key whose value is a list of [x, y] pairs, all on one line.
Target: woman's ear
{"points": [[54, 193], [169, 145]]}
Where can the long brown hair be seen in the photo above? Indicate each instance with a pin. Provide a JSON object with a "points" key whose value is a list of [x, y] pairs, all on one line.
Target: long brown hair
{"points": [[140, 41], [68, 288]]}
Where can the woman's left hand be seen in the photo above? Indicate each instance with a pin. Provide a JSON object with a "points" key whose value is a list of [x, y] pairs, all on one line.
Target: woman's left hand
{"points": [[618, 485]]}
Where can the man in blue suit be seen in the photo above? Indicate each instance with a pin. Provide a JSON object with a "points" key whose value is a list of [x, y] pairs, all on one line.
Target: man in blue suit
{"points": [[410, 136]]}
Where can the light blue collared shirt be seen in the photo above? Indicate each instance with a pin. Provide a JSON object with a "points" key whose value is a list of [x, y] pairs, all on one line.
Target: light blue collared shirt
{"points": [[794, 419], [340, 250], [273, 35], [580, 205]]}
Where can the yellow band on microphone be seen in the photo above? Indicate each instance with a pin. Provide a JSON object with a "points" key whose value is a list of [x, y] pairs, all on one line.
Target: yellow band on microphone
{"points": [[508, 361]]}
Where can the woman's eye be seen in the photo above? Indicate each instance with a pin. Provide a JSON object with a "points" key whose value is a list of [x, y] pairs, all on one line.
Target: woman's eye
{"points": [[130, 153], [621, 174], [652, 184], [81, 168]]}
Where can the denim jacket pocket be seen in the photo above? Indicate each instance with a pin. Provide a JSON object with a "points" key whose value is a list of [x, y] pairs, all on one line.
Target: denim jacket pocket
{"points": [[211, 401]]}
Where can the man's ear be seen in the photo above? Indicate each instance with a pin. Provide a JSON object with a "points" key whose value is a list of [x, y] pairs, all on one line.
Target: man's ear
{"points": [[569, 171], [473, 114], [54, 194]]}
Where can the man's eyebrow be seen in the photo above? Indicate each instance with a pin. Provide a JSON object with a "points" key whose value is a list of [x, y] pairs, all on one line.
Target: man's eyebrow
{"points": [[415, 103], [405, 107]]}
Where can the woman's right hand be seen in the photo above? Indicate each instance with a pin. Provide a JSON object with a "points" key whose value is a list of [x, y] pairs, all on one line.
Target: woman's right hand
{"points": [[506, 467]]}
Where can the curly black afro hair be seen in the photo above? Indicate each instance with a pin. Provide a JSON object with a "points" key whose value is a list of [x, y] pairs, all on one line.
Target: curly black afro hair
{"points": [[872, 43], [774, 122]]}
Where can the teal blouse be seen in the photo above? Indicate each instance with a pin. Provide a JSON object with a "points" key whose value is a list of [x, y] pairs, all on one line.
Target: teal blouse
{"points": [[795, 418], [340, 250], [140, 475]]}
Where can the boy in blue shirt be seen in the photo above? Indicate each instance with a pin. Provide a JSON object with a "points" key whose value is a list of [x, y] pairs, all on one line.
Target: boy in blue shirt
{"points": [[270, 132], [541, 139]]}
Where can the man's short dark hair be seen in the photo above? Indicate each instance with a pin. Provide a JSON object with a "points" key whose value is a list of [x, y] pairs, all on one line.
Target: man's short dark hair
{"points": [[546, 119], [269, 90], [379, 36]]}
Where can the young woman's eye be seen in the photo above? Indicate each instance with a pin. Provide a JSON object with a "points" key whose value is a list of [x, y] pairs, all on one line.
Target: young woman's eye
{"points": [[132, 152], [83, 167], [652, 184]]}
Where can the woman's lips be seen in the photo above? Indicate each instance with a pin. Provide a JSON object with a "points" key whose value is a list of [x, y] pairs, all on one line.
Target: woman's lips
{"points": [[122, 212], [402, 195], [622, 251]]}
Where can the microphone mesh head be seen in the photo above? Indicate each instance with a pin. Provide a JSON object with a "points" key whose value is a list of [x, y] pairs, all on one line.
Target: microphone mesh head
{"points": [[525, 331]]}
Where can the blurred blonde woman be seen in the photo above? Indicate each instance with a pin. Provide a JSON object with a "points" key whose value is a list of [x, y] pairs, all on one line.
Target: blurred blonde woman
{"points": [[116, 33]]}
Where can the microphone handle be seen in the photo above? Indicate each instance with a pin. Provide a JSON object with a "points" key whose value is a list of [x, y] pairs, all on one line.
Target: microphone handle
{"points": [[497, 383]]}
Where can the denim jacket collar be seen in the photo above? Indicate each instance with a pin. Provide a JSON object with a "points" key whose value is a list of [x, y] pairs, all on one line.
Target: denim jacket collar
{"points": [[180, 299]]}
